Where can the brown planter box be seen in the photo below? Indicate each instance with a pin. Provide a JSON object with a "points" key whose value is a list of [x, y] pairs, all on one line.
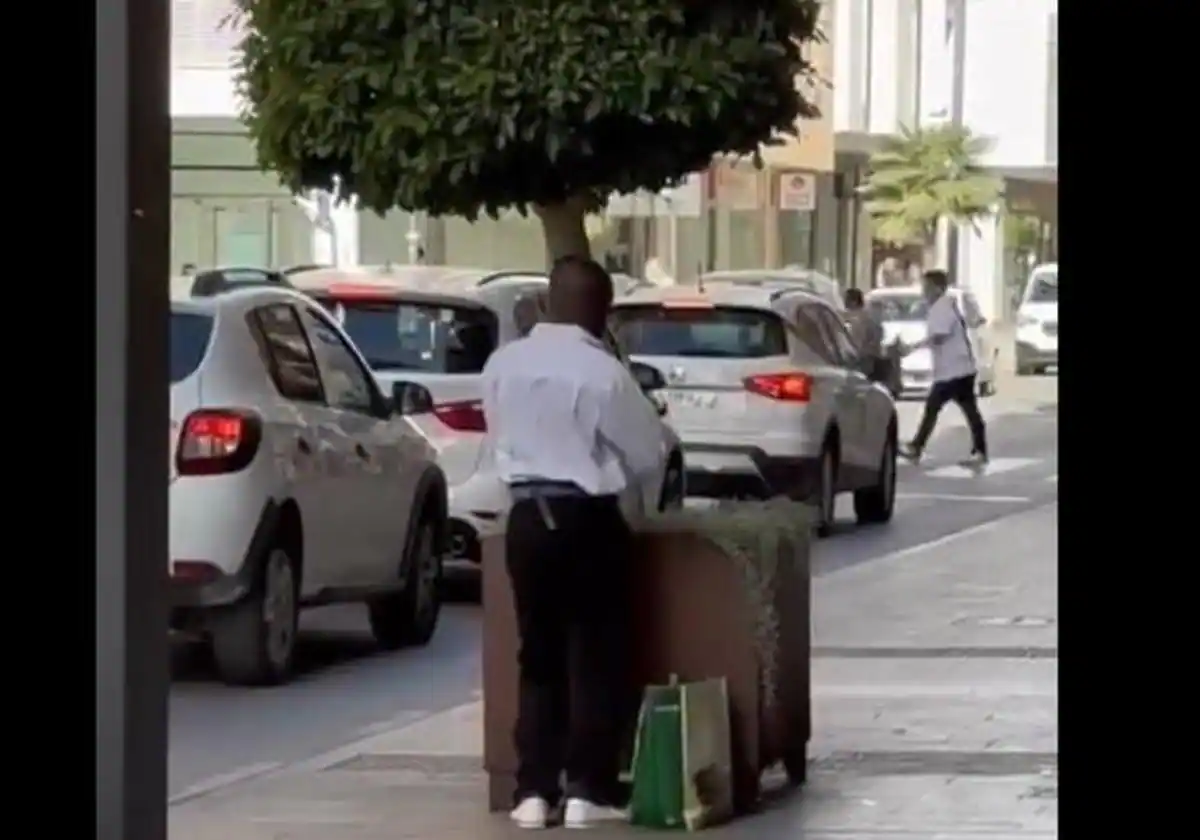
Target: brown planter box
{"points": [[692, 621]]}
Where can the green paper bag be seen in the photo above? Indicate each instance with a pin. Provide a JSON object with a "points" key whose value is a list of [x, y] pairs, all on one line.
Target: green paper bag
{"points": [[682, 767]]}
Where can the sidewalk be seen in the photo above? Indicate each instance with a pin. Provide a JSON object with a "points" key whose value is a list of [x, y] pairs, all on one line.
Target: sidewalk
{"points": [[935, 712]]}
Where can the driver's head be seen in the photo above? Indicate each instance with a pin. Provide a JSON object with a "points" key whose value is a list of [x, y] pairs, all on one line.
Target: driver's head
{"points": [[581, 293], [853, 299]]}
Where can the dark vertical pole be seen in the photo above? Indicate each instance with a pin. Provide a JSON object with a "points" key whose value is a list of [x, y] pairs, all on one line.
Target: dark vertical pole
{"points": [[133, 142]]}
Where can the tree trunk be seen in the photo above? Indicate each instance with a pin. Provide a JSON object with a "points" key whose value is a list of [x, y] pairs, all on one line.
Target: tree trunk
{"points": [[562, 226]]}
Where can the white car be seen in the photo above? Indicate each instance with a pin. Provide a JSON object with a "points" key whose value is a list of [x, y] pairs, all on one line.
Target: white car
{"points": [[766, 390], [902, 310], [293, 482], [1037, 322], [436, 327], [793, 277]]}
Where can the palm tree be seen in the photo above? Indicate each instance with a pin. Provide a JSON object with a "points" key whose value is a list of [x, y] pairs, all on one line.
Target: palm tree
{"points": [[922, 176]]}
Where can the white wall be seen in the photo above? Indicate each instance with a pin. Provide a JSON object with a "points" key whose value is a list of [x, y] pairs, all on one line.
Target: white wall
{"points": [[1007, 78], [883, 48]]}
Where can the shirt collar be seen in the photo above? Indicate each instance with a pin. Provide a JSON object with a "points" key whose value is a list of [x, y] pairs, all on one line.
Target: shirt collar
{"points": [[574, 332]]}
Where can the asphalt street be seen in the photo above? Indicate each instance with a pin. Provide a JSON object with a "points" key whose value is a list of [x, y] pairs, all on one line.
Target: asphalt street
{"points": [[347, 690]]}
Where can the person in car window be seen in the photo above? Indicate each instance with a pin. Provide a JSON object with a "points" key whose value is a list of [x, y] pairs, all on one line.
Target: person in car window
{"points": [[954, 371], [571, 432]]}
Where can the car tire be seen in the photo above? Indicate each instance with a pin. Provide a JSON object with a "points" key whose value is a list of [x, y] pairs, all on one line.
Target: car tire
{"points": [[254, 640], [409, 617], [673, 487], [875, 505], [826, 500]]}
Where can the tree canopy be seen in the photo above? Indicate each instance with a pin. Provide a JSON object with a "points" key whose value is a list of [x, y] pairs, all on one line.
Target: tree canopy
{"points": [[455, 107], [924, 175]]}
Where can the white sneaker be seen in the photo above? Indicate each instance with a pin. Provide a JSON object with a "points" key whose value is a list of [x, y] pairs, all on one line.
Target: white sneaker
{"points": [[974, 461], [533, 812], [580, 813]]}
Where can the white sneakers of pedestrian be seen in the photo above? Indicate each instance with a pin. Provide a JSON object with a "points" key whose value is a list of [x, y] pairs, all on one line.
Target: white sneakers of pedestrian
{"points": [[533, 812], [580, 813]]}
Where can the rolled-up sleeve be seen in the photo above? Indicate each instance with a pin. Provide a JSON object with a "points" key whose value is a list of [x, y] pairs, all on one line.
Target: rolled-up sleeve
{"points": [[629, 425]]}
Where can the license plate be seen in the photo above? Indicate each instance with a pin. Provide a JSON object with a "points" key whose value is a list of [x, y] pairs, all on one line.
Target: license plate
{"points": [[691, 399]]}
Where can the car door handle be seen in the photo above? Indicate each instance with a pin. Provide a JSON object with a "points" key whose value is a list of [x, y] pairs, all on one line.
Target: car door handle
{"points": [[303, 446], [361, 452]]}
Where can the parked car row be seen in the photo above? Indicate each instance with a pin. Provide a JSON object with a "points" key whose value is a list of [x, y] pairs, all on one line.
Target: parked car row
{"points": [[329, 444]]}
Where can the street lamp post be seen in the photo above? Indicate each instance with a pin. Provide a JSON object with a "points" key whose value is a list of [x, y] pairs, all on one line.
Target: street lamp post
{"points": [[133, 148]]}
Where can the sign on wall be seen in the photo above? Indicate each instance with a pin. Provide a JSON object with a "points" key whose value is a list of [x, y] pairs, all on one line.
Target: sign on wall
{"points": [[798, 191]]}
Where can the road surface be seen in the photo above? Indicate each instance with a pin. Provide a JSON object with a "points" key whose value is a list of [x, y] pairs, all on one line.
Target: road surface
{"points": [[347, 690]]}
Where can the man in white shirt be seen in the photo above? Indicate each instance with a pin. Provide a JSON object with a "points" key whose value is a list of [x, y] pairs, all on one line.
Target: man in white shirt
{"points": [[953, 370], [570, 431]]}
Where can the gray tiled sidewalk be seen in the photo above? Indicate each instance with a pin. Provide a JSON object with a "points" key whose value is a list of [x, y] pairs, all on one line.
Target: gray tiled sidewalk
{"points": [[936, 714]]}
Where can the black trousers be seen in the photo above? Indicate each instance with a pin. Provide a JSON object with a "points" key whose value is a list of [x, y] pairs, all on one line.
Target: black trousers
{"points": [[961, 391], [571, 588]]}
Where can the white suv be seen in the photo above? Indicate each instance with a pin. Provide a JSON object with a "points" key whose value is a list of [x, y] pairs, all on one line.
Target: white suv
{"points": [[427, 331], [1037, 322], [293, 482]]}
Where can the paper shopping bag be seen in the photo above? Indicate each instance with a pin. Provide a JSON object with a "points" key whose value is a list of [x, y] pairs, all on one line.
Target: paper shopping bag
{"points": [[682, 767]]}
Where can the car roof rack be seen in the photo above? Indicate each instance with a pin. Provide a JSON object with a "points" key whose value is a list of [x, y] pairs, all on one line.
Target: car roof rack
{"points": [[215, 281], [501, 275]]}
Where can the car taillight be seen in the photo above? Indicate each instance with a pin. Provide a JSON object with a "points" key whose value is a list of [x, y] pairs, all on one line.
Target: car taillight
{"points": [[465, 416], [790, 387], [217, 441]]}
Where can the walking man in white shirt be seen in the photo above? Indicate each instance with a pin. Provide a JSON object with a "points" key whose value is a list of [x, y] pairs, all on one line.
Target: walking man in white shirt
{"points": [[571, 430], [953, 371]]}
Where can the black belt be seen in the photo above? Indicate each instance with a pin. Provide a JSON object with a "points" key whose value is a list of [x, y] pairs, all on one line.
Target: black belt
{"points": [[521, 490]]}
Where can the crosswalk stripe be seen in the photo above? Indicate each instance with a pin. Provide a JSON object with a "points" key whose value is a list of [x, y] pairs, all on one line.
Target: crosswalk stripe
{"points": [[995, 466]]}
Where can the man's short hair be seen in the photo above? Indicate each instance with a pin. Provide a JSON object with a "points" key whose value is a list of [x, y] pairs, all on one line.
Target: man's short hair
{"points": [[592, 269], [937, 278], [854, 298]]}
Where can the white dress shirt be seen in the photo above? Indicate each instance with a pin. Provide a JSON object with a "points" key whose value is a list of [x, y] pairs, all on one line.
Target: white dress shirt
{"points": [[561, 407], [953, 357]]}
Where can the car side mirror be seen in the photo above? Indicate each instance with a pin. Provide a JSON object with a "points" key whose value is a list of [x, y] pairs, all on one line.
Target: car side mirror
{"points": [[410, 398], [648, 377]]}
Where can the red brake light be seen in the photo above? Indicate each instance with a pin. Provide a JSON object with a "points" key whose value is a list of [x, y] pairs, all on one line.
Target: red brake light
{"points": [[217, 441], [790, 387], [465, 416]]}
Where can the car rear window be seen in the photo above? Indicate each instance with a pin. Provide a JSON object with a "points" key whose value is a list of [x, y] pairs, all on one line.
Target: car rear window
{"points": [[418, 336], [890, 308], [190, 333], [1043, 288], [719, 333]]}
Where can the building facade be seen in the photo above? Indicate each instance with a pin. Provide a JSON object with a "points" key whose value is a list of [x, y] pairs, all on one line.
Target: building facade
{"points": [[990, 66], [226, 211]]}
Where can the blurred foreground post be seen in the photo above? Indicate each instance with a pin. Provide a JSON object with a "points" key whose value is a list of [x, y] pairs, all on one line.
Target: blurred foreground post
{"points": [[133, 142]]}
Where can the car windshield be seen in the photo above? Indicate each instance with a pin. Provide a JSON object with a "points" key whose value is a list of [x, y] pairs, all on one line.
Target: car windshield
{"points": [[1044, 287], [190, 333], [722, 332], [417, 336], [898, 308]]}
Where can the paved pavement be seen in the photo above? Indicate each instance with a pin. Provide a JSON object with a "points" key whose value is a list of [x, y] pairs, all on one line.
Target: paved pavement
{"points": [[348, 690], [936, 692]]}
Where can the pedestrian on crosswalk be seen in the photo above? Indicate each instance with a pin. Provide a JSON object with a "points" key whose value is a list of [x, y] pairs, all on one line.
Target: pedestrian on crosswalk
{"points": [[954, 370]]}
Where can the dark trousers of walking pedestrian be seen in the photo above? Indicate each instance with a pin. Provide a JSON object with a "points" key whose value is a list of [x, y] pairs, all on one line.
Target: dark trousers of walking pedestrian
{"points": [[570, 575], [961, 391]]}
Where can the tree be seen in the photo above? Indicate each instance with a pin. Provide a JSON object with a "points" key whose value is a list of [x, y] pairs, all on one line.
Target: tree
{"points": [[545, 105], [922, 176]]}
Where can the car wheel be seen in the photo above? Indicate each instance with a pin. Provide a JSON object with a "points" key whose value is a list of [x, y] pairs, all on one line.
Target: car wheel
{"points": [[826, 491], [876, 504], [672, 489], [410, 616], [254, 641]]}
